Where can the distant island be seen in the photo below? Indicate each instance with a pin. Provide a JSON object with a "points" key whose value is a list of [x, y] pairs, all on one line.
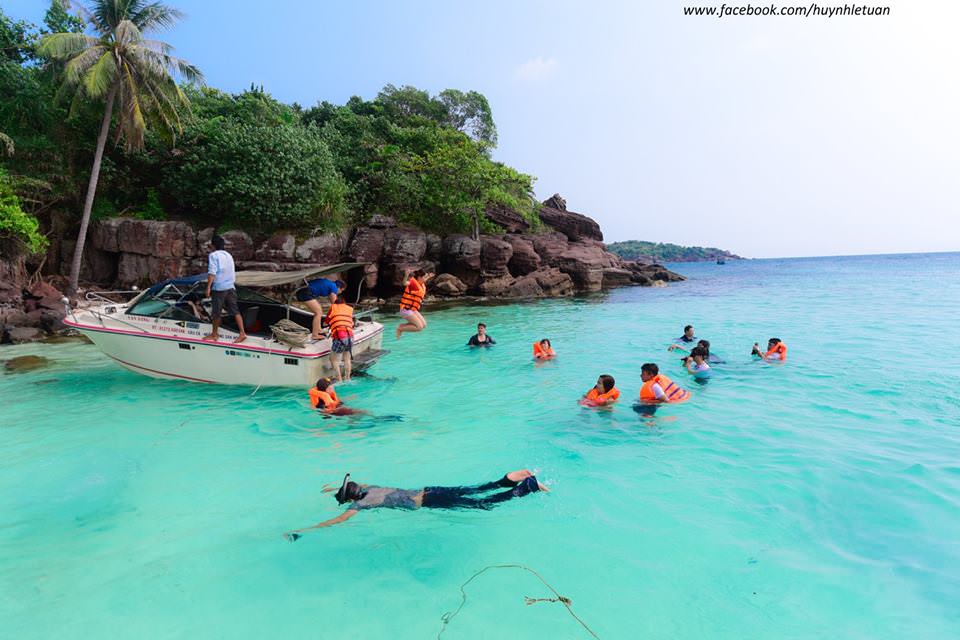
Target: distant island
{"points": [[666, 252]]}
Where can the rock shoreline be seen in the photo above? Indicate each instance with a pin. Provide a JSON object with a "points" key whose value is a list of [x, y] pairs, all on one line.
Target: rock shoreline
{"points": [[567, 256]]}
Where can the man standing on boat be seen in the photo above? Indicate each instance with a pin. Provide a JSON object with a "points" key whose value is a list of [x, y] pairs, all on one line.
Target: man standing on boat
{"points": [[221, 274]]}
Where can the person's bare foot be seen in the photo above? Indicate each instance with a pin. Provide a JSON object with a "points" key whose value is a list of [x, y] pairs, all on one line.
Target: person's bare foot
{"points": [[212, 337], [398, 332], [240, 338]]}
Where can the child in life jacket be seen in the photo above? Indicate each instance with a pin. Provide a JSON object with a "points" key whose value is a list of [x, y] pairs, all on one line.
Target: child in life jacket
{"points": [[776, 351], [543, 350], [658, 388], [604, 393], [324, 399]]}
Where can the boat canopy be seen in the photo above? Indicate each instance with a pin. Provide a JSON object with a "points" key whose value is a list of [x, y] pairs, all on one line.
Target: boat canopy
{"points": [[278, 278], [266, 278]]}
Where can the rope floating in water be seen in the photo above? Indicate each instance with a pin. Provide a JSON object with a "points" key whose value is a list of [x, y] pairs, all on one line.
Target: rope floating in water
{"points": [[565, 601]]}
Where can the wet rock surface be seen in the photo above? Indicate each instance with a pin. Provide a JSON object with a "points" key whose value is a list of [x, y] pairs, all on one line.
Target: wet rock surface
{"points": [[24, 364]]}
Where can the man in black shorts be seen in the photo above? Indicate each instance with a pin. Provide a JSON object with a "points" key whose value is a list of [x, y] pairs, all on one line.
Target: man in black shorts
{"points": [[515, 484], [221, 274]]}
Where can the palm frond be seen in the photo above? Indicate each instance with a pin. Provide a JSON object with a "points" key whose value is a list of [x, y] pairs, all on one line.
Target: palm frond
{"points": [[156, 16], [78, 66], [162, 63], [101, 75], [127, 33], [61, 46], [132, 124]]}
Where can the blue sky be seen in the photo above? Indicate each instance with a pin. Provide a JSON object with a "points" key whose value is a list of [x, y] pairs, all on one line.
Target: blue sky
{"points": [[768, 136]]}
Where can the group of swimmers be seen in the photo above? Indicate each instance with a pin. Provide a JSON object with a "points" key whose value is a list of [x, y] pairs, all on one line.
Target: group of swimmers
{"points": [[656, 389]]}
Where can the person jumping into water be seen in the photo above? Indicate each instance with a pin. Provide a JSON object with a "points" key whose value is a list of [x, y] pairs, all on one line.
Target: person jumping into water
{"points": [[410, 303], [515, 484]]}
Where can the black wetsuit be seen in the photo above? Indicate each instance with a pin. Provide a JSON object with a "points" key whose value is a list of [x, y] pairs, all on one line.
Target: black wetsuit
{"points": [[475, 341], [446, 497]]}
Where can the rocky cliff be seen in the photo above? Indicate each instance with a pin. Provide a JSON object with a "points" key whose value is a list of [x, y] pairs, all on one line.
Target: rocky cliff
{"points": [[565, 256]]}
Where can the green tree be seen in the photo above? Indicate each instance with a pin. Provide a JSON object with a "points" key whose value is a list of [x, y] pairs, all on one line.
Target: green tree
{"points": [[58, 20], [458, 183], [120, 66], [263, 176]]}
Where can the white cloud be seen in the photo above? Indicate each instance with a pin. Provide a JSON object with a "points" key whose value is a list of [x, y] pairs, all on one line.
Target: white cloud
{"points": [[536, 69]]}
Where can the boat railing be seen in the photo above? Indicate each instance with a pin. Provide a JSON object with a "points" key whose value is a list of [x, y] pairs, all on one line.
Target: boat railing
{"points": [[102, 296], [365, 313]]}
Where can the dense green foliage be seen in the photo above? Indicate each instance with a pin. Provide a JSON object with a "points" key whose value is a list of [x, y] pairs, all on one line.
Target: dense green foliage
{"points": [[666, 252], [262, 175], [247, 160], [14, 223]]}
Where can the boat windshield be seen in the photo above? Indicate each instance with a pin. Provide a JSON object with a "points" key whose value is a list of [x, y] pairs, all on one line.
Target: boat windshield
{"points": [[176, 302]]}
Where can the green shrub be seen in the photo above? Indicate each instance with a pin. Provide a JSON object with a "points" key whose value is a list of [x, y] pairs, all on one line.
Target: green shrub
{"points": [[265, 177], [15, 223]]}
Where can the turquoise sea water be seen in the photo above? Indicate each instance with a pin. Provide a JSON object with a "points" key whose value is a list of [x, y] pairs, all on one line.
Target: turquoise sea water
{"points": [[820, 499]]}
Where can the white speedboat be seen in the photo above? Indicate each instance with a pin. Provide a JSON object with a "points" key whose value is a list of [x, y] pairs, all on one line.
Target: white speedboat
{"points": [[160, 333]]}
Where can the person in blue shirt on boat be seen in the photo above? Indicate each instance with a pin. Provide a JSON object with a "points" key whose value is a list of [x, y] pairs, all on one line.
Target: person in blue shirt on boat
{"points": [[310, 296], [515, 484], [221, 274]]}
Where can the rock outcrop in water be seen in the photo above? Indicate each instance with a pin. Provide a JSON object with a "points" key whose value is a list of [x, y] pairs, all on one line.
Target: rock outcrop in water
{"points": [[564, 257]]}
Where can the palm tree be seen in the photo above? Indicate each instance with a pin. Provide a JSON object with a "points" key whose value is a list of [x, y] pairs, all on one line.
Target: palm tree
{"points": [[125, 70]]}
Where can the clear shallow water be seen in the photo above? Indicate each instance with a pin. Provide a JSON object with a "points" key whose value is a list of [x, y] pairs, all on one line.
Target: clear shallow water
{"points": [[816, 499]]}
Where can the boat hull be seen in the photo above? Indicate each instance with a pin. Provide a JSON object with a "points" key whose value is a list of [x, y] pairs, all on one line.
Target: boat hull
{"points": [[188, 357]]}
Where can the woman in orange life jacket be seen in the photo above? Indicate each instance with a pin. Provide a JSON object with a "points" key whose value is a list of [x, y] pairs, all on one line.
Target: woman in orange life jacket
{"points": [[604, 393], [340, 323], [776, 351], [323, 398], [410, 302], [543, 350]]}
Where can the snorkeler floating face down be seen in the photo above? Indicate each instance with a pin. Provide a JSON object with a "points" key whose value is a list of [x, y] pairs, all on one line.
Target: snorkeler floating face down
{"points": [[358, 497]]}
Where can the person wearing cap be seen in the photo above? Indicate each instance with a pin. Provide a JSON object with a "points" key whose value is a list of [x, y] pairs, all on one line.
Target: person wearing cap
{"points": [[515, 484], [310, 295]]}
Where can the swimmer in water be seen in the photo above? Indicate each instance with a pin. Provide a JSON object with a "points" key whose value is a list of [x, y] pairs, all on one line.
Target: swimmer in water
{"points": [[696, 363], [324, 399], [359, 497], [543, 350], [711, 357], [481, 338], [604, 393], [776, 351]]}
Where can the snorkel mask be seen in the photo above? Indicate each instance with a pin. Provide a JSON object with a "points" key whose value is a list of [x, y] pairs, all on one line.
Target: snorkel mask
{"points": [[341, 494]]}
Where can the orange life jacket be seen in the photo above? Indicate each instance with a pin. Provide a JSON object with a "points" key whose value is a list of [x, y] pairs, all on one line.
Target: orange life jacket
{"points": [[340, 320], [670, 390], [778, 352], [413, 295], [328, 398], [540, 351], [603, 398]]}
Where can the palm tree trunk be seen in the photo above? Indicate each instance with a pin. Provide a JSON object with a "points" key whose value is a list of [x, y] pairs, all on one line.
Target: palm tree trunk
{"points": [[91, 192]]}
